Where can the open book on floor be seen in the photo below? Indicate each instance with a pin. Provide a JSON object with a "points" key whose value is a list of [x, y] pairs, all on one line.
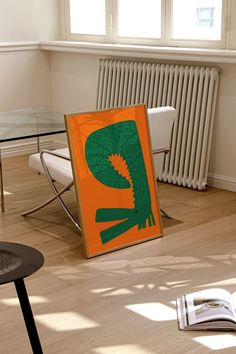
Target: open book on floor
{"points": [[212, 309]]}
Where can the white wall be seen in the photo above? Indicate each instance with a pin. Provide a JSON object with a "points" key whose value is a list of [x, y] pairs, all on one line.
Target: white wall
{"points": [[25, 82], [73, 84], [25, 75], [27, 20], [24, 79], [73, 81]]}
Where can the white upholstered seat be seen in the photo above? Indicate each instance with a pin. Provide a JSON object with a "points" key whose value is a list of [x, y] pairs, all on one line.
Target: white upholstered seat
{"points": [[56, 166], [60, 169], [161, 121]]}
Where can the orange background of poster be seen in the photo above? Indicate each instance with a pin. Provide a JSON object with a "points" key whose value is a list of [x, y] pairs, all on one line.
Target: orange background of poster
{"points": [[93, 195]]}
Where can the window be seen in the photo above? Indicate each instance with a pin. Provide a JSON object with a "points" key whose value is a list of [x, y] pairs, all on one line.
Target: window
{"points": [[139, 19], [85, 21], [154, 22], [205, 16], [197, 20]]}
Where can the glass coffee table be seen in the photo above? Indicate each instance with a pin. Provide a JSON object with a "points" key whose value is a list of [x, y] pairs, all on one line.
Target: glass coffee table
{"points": [[24, 124]]}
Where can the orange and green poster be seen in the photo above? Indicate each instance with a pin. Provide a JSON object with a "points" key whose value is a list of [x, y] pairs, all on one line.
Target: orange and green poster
{"points": [[114, 179]]}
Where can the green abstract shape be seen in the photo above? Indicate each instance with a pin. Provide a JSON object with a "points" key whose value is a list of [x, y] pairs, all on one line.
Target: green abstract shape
{"points": [[120, 139]]}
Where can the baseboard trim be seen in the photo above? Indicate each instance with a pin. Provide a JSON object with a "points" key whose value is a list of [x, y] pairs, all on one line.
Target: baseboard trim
{"points": [[222, 182], [25, 148]]}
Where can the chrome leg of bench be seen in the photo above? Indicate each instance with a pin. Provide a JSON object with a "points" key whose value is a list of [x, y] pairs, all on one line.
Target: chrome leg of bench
{"points": [[1, 181], [56, 192], [58, 197], [30, 211], [164, 213]]}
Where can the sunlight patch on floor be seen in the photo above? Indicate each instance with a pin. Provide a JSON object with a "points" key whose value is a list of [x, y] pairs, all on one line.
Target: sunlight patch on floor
{"points": [[118, 292], [173, 302], [139, 286], [101, 290], [146, 270], [65, 321], [147, 262], [221, 257], [109, 265], [122, 349], [178, 282], [217, 342], [154, 311], [188, 266], [162, 288], [151, 286], [33, 300], [7, 193], [231, 281]]}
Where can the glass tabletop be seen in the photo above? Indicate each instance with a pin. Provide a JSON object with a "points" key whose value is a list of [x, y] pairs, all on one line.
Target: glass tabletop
{"points": [[29, 123]]}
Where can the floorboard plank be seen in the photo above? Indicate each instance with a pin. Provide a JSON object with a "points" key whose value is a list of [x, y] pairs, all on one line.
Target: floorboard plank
{"points": [[122, 302]]}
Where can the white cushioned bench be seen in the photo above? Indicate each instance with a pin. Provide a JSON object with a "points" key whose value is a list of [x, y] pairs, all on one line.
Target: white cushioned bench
{"points": [[60, 169], [56, 166]]}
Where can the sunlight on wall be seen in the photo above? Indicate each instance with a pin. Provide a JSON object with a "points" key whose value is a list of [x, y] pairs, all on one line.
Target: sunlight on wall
{"points": [[154, 311], [33, 300], [217, 342], [65, 321], [122, 349]]}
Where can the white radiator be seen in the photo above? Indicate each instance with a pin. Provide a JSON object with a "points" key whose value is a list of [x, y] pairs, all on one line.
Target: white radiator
{"points": [[191, 90]]}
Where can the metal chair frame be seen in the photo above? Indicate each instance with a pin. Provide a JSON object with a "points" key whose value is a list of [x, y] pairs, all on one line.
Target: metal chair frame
{"points": [[161, 151], [57, 193]]}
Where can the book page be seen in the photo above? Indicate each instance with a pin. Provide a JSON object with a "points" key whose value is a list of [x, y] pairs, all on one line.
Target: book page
{"points": [[208, 305], [233, 296]]}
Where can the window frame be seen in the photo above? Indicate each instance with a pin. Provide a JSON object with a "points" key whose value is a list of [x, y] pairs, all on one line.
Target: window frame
{"points": [[170, 41], [87, 37], [166, 29], [137, 40], [205, 19]]}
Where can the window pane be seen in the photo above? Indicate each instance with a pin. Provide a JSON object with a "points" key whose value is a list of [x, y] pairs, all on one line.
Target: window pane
{"points": [[88, 17], [139, 18], [197, 19]]}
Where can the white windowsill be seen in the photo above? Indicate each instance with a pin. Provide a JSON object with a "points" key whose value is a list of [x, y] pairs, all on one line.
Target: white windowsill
{"points": [[19, 46], [138, 51], [122, 50]]}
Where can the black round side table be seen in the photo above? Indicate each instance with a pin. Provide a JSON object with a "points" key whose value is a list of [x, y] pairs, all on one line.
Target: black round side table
{"points": [[17, 262]]}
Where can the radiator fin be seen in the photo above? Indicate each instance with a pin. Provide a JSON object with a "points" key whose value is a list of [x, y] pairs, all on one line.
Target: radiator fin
{"points": [[191, 90]]}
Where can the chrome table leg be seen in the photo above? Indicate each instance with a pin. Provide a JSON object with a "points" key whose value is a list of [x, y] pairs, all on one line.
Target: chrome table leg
{"points": [[1, 181]]}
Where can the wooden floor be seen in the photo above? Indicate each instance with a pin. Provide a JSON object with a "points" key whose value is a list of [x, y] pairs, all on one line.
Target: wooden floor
{"points": [[121, 302]]}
